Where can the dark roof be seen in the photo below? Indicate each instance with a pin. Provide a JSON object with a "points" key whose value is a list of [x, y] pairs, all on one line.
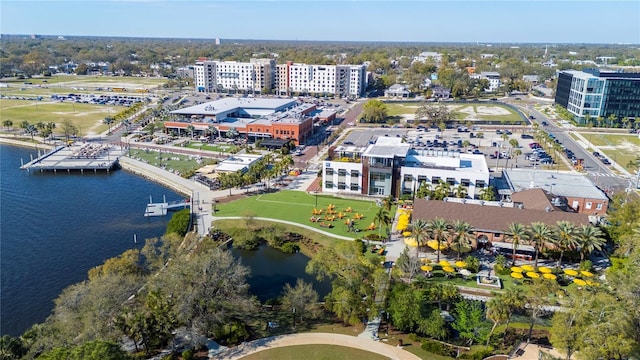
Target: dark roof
{"points": [[533, 199], [274, 143], [490, 218]]}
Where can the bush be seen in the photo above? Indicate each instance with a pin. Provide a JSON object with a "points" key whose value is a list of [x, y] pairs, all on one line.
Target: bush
{"points": [[501, 260], [289, 248], [478, 354], [501, 270], [179, 222], [586, 265], [358, 245], [373, 237], [438, 348], [473, 264], [187, 355]]}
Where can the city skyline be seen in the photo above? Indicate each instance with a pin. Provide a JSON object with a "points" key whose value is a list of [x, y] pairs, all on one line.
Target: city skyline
{"points": [[405, 21]]}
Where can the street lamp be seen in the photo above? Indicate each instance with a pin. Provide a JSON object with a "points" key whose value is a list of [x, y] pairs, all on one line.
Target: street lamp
{"points": [[316, 192]]}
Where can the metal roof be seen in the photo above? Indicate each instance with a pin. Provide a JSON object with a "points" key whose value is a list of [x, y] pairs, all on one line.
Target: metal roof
{"points": [[556, 183], [230, 103]]}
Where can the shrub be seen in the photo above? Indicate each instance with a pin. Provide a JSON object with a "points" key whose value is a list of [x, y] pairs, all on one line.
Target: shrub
{"points": [[478, 354], [187, 355], [501, 260], [289, 247], [438, 348], [372, 237], [358, 245], [179, 222], [586, 265], [501, 270], [473, 264]]}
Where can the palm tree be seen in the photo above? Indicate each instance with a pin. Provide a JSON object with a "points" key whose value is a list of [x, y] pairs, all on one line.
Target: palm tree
{"points": [[487, 194], [460, 191], [461, 235], [443, 189], [565, 238], [514, 299], [420, 231], [516, 153], [589, 238], [108, 121], [31, 130], [424, 190], [438, 230], [541, 234], [8, 124], [517, 233], [382, 218], [212, 129], [191, 129]]}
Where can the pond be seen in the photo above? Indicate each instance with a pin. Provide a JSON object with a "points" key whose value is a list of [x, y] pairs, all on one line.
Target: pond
{"points": [[271, 269]]}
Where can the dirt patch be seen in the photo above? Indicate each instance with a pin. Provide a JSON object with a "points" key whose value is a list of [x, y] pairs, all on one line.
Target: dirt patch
{"points": [[492, 110]]}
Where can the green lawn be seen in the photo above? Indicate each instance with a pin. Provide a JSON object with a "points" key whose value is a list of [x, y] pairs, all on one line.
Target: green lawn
{"points": [[621, 148], [184, 164], [314, 352], [210, 147], [87, 117], [475, 111], [297, 206]]}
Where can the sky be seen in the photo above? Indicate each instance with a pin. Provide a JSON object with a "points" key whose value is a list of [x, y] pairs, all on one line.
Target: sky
{"points": [[483, 21]]}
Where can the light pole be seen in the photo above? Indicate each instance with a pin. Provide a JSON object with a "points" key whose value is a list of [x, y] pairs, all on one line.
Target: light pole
{"points": [[316, 192], [294, 317]]}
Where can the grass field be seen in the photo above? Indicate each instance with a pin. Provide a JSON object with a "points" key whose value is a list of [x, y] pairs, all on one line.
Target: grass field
{"points": [[211, 147], [471, 112], [314, 352], [87, 117], [621, 148], [184, 164], [297, 206]]}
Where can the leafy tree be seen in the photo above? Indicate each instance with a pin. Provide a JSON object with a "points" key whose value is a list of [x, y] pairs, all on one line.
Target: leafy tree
{"points": [[538, 298], [11, 348], [93, 350], [8, 124], [434, 326], [498, 312], [409, 265], [435, 114], [108, 121], [179, 222], [374, 111], [302, 298], [406, 307], [470, 321]]}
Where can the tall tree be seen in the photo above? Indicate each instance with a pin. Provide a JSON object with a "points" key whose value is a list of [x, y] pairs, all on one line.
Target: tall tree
{"points": [[374, 111], [438, 230], [382, 218], [517, 233], [565, 238], [498, 312], [301, 297], [461, 235], [589, 238], [541, 235], [420, 231]]}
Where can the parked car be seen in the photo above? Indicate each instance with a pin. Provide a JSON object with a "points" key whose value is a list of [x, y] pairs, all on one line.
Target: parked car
{"points": [[544, 123], [526, 136]]}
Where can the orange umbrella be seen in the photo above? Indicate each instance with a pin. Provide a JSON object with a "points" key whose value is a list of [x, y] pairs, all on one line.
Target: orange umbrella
{"points": [[516, 275], [549, 276], [533, 275]]}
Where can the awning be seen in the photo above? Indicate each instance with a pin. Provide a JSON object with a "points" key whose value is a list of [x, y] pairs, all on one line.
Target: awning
{"points": [[510, 246]]}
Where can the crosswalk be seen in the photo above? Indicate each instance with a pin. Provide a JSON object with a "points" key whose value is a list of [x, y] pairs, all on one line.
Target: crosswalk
{"points": [[601, 174]]}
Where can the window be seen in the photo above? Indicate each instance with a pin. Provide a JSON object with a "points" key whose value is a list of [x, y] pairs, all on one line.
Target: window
{"points": [[342, 172], [329, 171], [328, 184], [465, 182], [451, 181], [342, 186], [435, 180], [599, 206], [480, 183], [497, 235], [422, 178], [355, 187], [588, 205], [408, 177], [355, 173]]}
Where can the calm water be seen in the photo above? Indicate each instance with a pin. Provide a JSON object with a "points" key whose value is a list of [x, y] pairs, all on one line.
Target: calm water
{"points": [[55, 227], [271, 269]]}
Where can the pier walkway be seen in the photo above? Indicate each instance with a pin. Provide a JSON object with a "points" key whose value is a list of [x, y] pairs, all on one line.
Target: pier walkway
{"points": [[80, 157]]}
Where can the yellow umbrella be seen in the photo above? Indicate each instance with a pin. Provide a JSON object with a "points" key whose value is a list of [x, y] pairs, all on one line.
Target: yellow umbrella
{"points": [[425, 260], [533, 275], [544, 270], [411, 241], [461, 264], [580, 282], [586, 273], [570, 272], [434, 245], [406, 233], [516, 275], [516, 269], [448, 269], [592, 283], [426, 268], [527, 268], [444, 263], [549, 276]]}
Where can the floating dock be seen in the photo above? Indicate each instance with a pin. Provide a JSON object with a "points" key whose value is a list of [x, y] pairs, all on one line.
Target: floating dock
{"points": [[81, 157], [161, 209]]}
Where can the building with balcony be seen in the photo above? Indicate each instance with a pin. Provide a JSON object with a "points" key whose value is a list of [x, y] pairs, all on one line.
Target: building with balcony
{"points": [[339, 80], [389, 166], [216, 76], [592, 93]]}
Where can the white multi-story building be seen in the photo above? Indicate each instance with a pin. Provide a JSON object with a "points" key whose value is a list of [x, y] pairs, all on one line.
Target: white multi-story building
{"points": [[214, 75], [341, 80], [391, 167], [492, 76]]}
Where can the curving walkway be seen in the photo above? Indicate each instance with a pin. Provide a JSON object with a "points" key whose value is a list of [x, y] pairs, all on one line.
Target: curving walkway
{"points": [[286, 222], [377, 347]]}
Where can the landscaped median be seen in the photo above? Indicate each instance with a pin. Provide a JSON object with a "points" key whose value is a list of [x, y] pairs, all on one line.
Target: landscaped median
{"points": [[324, 213]]}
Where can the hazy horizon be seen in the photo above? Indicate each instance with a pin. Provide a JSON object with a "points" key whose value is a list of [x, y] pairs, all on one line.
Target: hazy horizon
{"points": [[427, 21]]}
